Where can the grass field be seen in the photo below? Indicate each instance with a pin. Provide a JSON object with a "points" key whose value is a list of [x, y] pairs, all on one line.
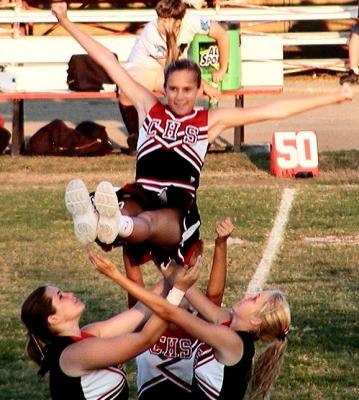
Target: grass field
{"points": [[317, 266]]}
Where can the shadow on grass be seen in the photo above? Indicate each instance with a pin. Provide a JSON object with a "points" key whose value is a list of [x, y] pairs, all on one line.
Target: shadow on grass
{"points": [[314, 332], [260, 160]]}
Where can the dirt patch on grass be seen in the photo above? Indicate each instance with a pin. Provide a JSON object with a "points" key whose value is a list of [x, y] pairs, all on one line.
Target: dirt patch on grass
{"points": [[336, 240]]}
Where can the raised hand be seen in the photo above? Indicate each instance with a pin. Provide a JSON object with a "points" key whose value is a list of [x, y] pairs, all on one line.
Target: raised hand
{"points": [[59, 9], [196, 3], [224, 229]]}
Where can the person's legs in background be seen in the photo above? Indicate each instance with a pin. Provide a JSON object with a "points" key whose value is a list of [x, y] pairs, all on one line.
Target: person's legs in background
{"points": [[130, 119], [353, 74]]}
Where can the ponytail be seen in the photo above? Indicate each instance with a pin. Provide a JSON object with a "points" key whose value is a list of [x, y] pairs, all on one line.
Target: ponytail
{"points": [[37, 352], [171, 10], [266, 370], [34, 314], [275, 321], [171, 43]]}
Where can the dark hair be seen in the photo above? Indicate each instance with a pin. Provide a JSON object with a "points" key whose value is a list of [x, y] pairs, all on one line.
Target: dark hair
{"points": [[34, 314], [171, 9], [183, 65]]}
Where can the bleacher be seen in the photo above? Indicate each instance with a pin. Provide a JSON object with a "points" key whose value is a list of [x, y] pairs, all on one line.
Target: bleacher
{"points": [[44, 57]]}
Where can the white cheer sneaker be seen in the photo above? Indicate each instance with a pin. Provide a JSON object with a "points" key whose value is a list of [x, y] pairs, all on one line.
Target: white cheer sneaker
{"points": [[106, 204], [84, 215], [111, 222]]}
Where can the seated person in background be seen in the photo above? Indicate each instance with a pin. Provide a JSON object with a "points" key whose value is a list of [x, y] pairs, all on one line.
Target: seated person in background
{"points": [[353, 73], [162, 41]]}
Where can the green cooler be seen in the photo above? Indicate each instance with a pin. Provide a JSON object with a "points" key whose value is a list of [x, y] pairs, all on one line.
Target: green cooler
{"points": [[205, 52]]}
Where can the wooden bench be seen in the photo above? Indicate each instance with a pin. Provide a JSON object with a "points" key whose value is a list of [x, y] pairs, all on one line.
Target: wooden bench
{"points": [[249, 15], [295, 39], [315, 38], [227, 14], [39, 65], [18, 99]]}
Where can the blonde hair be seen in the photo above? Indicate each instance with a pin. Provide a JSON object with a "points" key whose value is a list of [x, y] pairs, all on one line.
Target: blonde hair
{"points": [[173, 10], [266, 370], [275, 317]]}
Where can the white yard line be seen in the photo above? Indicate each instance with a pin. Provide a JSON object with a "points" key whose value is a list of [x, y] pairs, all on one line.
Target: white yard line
{"points": [[261, 274]]}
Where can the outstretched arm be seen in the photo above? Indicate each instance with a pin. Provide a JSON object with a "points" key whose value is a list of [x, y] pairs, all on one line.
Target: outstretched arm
{"points": [[218, 275], [129, 320], [227, 344], [100, 352], [223, 118], [94, 353], [142, 98]]}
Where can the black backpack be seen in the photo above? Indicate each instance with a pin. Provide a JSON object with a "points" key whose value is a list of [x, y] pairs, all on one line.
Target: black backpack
{"points": [[5, 136], [85, 75], [93, 131], [57, 139]]}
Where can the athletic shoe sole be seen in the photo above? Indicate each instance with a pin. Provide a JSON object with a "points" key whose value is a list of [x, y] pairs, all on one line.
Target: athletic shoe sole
{"points": [[106, 204], [79, 205]]}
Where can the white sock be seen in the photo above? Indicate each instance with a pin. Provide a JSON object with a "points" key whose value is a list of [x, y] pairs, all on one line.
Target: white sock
{"points": [[125, 226], [356, 70]]}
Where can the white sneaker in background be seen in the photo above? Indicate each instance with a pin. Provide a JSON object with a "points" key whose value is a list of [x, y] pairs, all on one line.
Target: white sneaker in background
{"points": [[84, 215]]}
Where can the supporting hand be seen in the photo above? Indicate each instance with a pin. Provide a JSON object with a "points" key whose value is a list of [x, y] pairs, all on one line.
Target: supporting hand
{"points": [[103, 265], [186, 276]]}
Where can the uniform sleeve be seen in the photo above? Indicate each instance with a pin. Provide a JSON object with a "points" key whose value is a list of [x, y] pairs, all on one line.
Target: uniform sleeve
{"points": [[198, 24]]}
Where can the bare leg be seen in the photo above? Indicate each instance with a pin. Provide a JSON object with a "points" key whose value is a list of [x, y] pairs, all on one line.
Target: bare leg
{"points": [[354, 51], [161, 227], [109, 220], [352, 76], [130, 119], [153, 225]]}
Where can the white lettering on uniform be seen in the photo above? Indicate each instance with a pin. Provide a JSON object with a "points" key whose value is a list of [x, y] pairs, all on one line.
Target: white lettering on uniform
{"points": [[171, 130]]}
